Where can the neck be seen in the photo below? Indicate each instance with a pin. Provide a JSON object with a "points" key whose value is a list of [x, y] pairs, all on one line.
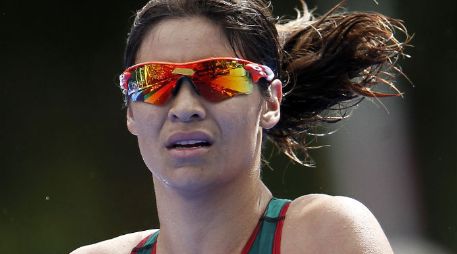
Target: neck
{"points": [[217, 221]]}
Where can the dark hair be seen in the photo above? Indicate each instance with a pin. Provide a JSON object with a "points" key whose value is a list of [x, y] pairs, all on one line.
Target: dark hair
{"points": [[325, 63]]}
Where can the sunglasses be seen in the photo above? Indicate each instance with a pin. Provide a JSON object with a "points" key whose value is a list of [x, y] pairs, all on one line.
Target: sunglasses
{"points": [[215, 79]]}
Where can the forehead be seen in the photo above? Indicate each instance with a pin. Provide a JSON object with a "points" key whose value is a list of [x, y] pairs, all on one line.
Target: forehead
{"points": [[184, 39]]}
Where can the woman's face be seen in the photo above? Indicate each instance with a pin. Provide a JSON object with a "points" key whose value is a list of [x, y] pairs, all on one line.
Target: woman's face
{"points": [[231, 129]]}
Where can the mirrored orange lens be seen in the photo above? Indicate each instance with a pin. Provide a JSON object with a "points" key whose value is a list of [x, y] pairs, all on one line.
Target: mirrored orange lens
{"points": [[214, 79], [158, 96], [222, 79], [223, 87]]}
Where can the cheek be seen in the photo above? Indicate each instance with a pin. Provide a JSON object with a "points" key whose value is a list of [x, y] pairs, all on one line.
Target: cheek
{"points": [[147, 126], [241, 127], [147, 137], [146, 129], [149, 145], [147, 119]]}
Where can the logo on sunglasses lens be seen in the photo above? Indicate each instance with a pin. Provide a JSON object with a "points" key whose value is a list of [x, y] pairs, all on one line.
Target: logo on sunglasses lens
{"points": [[184, 71]]}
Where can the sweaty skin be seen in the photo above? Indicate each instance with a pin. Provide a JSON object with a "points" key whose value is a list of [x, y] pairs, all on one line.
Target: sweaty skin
{"points": [[209, 202]]}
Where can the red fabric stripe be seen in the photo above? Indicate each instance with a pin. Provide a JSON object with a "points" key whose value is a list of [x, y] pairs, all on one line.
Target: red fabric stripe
{"points": [[278, 231], [154, 249], [140, 244], [251, 240]]}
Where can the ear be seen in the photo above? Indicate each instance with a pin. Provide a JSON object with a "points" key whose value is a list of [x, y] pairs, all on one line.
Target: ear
{"points": [[131, 124], [271, 108]]}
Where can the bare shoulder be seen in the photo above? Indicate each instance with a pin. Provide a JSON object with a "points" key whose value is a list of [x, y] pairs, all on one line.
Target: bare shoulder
{"points": [[331, 224], [120, 245]]}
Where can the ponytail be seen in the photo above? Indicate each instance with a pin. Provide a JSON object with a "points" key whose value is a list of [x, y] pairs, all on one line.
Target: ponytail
{"points": [[327, 63]]}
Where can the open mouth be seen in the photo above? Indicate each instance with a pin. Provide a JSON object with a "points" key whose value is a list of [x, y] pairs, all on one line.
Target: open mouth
{"points": [[189, 141], [188, 144]]}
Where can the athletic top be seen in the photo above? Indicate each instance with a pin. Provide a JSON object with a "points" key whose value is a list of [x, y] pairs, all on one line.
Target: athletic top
{"points": [[265, 239]]}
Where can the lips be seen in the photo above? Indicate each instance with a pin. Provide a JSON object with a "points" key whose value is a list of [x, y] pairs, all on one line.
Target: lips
{"points": [[188, 140]]}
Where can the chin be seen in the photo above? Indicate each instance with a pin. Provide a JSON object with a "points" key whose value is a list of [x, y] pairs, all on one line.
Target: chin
{"points": [[191, 180]]}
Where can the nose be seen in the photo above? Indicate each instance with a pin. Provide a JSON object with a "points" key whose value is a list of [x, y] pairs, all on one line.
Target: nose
{"points": [[186, 104]]}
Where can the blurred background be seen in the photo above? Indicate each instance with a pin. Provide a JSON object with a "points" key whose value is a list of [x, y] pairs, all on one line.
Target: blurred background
{"points": [[71, 174]]}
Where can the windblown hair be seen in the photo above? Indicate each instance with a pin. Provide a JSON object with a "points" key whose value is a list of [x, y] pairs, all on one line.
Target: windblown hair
{"points": [[327, 64]]}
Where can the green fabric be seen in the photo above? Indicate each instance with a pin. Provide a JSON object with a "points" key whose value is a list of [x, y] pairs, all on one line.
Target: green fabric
{"points": [[264, 241], [146, 248]]}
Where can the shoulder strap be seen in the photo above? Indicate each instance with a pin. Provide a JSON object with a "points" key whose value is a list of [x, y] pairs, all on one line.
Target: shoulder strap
{"points": [[146, 245], [268, 239], [268, 232]]}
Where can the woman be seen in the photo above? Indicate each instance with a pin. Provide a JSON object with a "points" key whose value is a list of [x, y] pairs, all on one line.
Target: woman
{"points": [[204, 86]]}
